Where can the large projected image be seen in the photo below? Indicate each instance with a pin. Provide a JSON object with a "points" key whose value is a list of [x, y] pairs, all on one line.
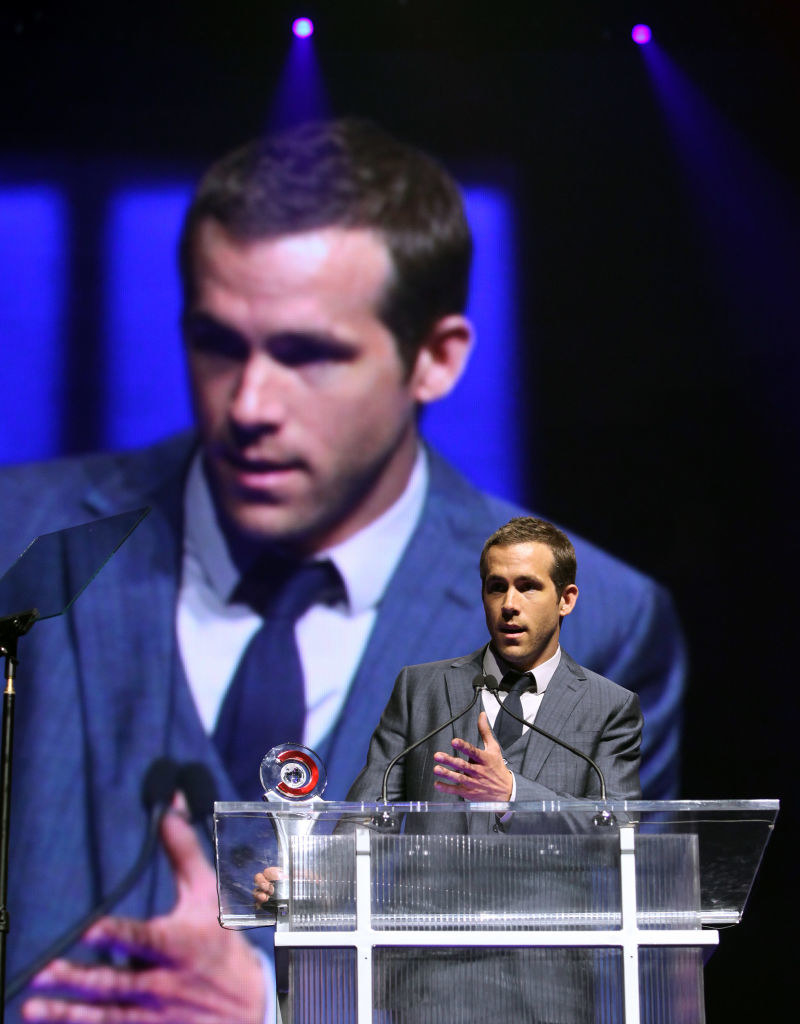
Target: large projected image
{"points": [[302, 546], [142, 394]]}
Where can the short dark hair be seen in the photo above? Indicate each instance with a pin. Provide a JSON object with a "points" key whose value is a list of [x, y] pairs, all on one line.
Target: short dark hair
{"points": [[347, 173], [521, 530]]}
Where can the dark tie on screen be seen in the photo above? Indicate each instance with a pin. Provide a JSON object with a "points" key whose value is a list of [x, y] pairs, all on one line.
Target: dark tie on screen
{"points": [[265, 704], [507, 730]]}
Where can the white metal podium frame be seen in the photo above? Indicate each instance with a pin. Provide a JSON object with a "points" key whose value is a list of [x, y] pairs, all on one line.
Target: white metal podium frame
{"points": [[630, 937]]}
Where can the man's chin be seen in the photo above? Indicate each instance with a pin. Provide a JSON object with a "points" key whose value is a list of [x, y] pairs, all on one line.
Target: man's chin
{"points": [[264, 523], [513, 652]]}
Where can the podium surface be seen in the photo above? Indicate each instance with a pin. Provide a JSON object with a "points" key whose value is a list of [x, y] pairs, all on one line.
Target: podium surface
{"points": [[448, 912]]}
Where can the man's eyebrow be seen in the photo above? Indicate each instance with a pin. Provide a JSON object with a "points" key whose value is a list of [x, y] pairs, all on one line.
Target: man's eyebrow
{"points": [[529, 578], [199, 318], [310, 335]]}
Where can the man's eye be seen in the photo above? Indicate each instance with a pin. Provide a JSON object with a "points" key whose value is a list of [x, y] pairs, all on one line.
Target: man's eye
{"points": [[211, 339], [304, 350]]}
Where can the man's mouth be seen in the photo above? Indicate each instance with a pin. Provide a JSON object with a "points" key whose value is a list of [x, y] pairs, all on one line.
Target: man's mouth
{"points": [[510, 628], [258, 471]]}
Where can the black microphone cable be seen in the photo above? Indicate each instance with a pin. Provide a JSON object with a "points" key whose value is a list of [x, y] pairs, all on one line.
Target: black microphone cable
{"points": [[477, 684], [492, 686], [158, 787]]}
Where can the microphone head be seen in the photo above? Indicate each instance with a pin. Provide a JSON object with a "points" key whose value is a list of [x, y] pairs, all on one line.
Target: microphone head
{"points": [[491, 684], [159, 783], [199, 787]]}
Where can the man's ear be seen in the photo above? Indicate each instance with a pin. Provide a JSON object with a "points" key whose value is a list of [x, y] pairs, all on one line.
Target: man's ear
{"points": [[567, 600], [442, 358]]}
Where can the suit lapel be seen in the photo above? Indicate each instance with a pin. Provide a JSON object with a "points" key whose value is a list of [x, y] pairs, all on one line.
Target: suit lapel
{"points": [[458, 681], [450, 691], [564, 691]]}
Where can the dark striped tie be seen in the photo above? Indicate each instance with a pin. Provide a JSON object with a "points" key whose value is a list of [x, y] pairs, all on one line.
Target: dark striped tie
{"points": [[507, 730], [266, 704]]}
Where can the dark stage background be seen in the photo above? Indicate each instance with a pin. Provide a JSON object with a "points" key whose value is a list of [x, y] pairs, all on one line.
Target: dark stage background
{"points": [[656, 278]]}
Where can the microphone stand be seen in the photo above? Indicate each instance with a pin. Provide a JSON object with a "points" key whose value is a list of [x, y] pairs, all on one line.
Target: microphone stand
{"points": [[386, 819], [11, 629], [34, 580], [603, 818]]}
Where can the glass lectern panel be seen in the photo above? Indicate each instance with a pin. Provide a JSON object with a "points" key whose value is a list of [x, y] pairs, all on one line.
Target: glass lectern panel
{"points": [[693, 858], [500, 881], [564, 911]]}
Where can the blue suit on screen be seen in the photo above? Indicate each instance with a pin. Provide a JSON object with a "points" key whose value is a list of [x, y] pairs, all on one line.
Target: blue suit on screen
{"points": [[102, 691]]}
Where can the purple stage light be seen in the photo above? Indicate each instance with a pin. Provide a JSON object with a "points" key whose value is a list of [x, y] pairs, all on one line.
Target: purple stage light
{"points": [[303, 27], [641, 34]]}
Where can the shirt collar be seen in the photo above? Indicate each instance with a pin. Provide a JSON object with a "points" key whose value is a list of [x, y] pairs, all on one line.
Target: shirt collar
{"points": [[203, 540], [366, 561], [494, 666]]}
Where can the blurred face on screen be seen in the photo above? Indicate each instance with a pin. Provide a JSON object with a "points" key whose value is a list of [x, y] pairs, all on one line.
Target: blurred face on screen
{"points": [[522, 606], [306, 413]]}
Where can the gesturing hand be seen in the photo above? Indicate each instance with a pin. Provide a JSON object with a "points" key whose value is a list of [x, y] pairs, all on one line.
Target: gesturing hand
{"points": [[194, 971], [483, 777]]}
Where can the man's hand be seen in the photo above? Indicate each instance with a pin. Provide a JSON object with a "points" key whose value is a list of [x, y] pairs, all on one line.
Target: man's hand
{"points": [[265, 883], [193, 972], [483, 777]]}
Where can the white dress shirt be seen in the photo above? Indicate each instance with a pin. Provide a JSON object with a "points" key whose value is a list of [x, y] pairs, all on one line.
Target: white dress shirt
{"points": [[530, 701], [213, 632]]}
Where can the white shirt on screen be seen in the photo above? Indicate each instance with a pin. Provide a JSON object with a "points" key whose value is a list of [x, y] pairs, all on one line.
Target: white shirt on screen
{"points": [[213, 632]]}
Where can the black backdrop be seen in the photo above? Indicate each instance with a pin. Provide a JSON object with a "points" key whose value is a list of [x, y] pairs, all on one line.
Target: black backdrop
{"points": [[664, 416]]}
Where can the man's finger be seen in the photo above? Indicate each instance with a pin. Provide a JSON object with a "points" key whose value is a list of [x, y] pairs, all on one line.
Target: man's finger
{"points": [[450, 761], [454, 776], [265, 883], [134, 937], [472, 753], [192, 868], [100, 983], [485, 730], [56, 1011]]}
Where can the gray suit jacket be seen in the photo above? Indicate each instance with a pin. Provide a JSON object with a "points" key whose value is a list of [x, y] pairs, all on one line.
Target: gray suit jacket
{"points": [[579, 706]]}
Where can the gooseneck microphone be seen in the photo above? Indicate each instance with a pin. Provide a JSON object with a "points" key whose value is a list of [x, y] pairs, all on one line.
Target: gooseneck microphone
{"points": [[478, 684], [493, 687], [158, 787]]}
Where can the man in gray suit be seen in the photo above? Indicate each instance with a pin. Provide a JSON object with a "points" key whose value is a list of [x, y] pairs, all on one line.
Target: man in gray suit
{"points": [[528, 570]]}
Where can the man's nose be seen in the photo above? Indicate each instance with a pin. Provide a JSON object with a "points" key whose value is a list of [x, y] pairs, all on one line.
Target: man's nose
{"points": [[259, 398], [510, 605]]}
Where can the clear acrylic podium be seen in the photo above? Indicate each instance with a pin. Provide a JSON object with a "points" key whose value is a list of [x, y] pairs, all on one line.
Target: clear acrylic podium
{"points": [[447, 914]]}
